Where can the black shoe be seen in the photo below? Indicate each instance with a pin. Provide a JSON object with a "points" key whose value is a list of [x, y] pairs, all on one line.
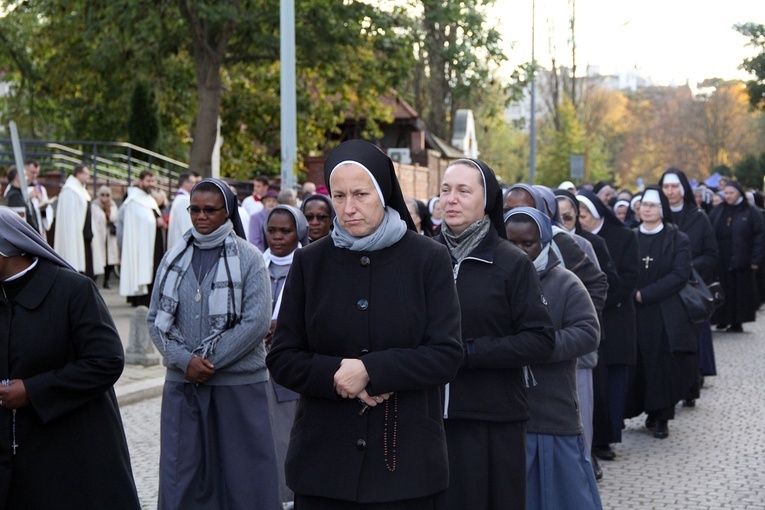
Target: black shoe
{"points": [[596, 469], [735, 328], [650, 423], [689, 402], [603, 452], [721, 327], [106, 285], [662, 430]]}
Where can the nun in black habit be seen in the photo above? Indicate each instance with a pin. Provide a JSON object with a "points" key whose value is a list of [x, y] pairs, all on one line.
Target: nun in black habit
{"points": [[505, 325], [666, 365], [62, 444], [618, 350], [741, 238], [694, 222], [367, 333]]}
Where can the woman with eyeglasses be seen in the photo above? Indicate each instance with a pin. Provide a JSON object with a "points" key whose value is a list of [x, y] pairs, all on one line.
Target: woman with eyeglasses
{"points": [[210, 311], [319, 214], [666, 338]]}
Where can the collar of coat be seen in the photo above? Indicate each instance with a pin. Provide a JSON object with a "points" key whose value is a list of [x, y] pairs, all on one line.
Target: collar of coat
{"points": [[485, 249], [32, 295]]}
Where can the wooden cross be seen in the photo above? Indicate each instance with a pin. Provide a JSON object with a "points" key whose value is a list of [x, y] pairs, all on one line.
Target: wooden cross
{"points": [[647, 259]]}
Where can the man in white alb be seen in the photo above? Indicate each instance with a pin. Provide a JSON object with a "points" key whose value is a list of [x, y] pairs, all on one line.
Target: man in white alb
{"points": [[142, 244], [180, 220], [73, 230]]}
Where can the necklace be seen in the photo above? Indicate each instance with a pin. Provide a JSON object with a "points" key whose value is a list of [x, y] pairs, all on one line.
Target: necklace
{"points": [[198, 295]]}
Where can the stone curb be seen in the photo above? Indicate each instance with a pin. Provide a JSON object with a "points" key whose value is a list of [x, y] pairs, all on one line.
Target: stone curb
{"points": [[140, 390]]}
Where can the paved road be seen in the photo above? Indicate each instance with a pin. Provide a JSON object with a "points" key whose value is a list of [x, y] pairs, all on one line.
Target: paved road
{"points": [[714, 457]]}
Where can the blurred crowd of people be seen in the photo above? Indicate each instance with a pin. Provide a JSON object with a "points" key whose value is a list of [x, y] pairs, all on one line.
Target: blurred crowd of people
{"points": [[351, 347]]}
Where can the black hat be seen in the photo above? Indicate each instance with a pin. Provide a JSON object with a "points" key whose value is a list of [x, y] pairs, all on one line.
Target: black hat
{"points": [[492, 193], [380, 167], [688, 197]]}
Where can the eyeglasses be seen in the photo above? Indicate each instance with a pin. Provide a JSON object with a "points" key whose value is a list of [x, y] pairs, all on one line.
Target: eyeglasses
{"points": [[209, 211], [104, 195], [568, 217], [318, 217], [650, 205]]}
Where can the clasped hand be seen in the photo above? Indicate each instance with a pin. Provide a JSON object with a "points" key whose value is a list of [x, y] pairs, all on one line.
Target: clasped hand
{"points": [[199, 370], [14, 395], [351, 380]]}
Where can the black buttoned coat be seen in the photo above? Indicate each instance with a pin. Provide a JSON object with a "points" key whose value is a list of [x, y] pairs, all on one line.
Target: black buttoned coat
{"points": [[397, 310], [57, 336]]}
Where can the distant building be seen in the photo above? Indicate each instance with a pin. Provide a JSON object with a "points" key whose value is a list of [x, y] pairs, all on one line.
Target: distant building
{"points": [[518, 113], [420, 156]]}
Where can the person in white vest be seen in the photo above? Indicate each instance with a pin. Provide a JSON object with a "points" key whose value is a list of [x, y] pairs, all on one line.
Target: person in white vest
{"points": [[38, 195], [142, 246], [180, 220], [73, 230]]}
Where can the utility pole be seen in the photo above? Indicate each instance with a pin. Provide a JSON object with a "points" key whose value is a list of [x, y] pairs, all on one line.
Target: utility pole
{"points": [[533, 123], [288, 104]]}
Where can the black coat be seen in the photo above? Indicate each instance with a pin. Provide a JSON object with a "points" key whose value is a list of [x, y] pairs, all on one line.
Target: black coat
{"points": [[16, 199], [61, 341], [696, 225], [665, 335], [397, 310], [741, 241], [604, 257], [619, 346], [505, 326], [577, 261], [740, 236], [661, 306]]}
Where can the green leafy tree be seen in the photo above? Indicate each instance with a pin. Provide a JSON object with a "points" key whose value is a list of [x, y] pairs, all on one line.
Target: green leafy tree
{"points": [[754, 65], [750, 171], [456, 46], [143, 124]]}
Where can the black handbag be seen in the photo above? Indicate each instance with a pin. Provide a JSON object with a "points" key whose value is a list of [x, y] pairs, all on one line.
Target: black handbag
{"points": [[698, 301], [718, 293]]}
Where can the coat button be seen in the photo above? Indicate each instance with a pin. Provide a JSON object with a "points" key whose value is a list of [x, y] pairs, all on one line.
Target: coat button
{"points": [[361, 445], [362, 304], [365, 261]]}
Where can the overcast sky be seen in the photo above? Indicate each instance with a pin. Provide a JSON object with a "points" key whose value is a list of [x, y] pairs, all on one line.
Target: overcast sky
{"points": [[670, 41]]}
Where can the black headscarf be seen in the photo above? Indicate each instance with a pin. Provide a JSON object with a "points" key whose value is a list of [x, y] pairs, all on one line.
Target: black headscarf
{"points": [[737, 186], [606, 212], [492, 194], [232, 204], [666, 212], [570, 197], [688, 197], [379, 165]]}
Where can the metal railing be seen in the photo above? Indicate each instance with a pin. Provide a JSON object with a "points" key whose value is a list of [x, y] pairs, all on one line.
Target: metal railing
{"points": [[110, 162]]}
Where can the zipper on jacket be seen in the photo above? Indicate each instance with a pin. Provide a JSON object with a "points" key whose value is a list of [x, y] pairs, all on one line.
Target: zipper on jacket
{"points": [[456, 272]]}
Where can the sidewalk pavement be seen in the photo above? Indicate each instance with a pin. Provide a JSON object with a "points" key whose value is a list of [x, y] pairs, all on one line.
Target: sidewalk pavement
{"points": [[137, 382]]}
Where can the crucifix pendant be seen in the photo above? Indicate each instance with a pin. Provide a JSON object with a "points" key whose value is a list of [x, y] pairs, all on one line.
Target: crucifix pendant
{"points": [[198, 296], [647, 259]]}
